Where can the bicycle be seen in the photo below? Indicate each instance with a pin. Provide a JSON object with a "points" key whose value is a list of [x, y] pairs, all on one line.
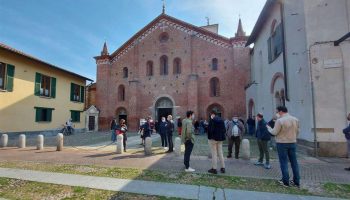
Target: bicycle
{"points": [[66, 131]]}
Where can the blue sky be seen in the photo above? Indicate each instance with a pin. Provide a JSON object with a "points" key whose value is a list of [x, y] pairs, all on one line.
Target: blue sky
{"points": [[69, 33]]}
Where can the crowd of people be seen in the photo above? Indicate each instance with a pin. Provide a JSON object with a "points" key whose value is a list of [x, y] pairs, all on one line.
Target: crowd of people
{"points": [[282, 130]]}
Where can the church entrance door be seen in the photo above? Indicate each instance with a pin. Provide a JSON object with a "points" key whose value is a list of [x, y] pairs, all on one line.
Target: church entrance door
{"points": [[164, 107]]}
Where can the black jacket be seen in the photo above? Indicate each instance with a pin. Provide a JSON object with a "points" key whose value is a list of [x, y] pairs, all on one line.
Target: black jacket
{"points": [[170, 128], [216, 129], [163, 128], [262, 132]]}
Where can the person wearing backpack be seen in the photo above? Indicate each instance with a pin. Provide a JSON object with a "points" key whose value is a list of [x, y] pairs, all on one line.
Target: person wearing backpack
{"points": [[346, 131], [263, 137], [234, 134]]}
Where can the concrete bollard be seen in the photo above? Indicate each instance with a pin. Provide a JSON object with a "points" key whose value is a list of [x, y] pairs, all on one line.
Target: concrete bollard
{"points": [[178, 146], [22, 141], [120, 146], [148, 146], [40, 142], [4, 140], [245, 149], [59, 142]]}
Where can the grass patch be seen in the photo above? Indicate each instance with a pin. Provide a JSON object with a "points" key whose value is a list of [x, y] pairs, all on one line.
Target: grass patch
{"points": [[28, 190], [220, 181]]}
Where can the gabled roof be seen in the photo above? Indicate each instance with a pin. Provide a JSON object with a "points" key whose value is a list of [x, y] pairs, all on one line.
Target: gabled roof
{"points": [[158, 19], [264, 15], [10, 49]]}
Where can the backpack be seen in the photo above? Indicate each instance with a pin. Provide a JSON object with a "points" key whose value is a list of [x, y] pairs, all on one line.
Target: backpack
{"points": [[235, 129]]}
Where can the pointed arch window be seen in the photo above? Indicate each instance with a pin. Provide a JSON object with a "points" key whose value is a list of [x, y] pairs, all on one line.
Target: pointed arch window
{"points": [[214, 64], [177, 66], [125, 72], [121, 93], [149, 71], [214, 87], [164, 65]]}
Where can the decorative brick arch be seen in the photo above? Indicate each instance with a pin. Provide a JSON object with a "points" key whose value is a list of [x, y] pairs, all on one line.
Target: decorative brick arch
{"points": [[274, 79], [217, 107], [250, 107]]}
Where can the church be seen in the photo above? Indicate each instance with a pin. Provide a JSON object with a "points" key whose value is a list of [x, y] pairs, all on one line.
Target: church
{"points": [[169, 67]]}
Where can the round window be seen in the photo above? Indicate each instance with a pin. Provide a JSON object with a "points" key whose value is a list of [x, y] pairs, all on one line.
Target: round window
{"points": [[164, 37]]}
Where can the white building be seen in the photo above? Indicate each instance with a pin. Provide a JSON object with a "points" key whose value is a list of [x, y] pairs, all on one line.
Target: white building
{"points": [[301, 58]]}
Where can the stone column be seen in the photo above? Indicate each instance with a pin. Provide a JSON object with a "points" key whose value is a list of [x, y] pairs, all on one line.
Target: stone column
{"points": [[148, 146], [178, 146], [4, 140], [245, 149], [192, 94], [22, 141], [40, 142], [131, 95], [120, 146], [59, 142]]}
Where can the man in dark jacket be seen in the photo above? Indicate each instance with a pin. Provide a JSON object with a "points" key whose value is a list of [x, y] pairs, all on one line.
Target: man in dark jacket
{"points": [[263, 136], [170, 130], [163, 128], [216, 135], [346, 131]]}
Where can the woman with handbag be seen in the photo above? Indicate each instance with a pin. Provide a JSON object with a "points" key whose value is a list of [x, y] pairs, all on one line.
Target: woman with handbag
{"points": [[122, 129]]}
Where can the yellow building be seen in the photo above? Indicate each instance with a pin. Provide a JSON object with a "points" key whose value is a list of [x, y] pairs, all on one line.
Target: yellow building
{"points": [[36, 96]]}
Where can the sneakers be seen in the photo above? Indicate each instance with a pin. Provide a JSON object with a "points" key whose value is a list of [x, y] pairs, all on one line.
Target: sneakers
{"points": [[267, 166], [222, 170], [347, 169], [212, 171], [229, 156], [165, 148], [190, 170], [282, 184], [293, 184], [258, 163]]}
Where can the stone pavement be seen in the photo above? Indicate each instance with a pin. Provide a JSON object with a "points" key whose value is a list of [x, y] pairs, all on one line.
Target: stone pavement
{"points": [[147, 187]]}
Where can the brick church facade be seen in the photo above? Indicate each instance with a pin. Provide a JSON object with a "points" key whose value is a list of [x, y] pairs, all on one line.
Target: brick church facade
{"points": [[169, 67]]}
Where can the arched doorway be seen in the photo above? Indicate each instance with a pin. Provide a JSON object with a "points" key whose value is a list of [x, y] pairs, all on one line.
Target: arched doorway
{"points": [[277, 91], [121, 114], [163, 107], [218, 108]]}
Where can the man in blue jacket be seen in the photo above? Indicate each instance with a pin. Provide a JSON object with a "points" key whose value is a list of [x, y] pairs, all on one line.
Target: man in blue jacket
{"points": [[216, 136], [263, 137], [346, 131]]}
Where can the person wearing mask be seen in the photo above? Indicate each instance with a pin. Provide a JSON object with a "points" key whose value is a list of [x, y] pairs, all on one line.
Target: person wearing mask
{"points": [[113, 129], [187, 137], [170, 130], [263, 137], [146, 130], [346, 131], [234, 134], [123, 128], [216, 136], [286, 131], [163, 128]]}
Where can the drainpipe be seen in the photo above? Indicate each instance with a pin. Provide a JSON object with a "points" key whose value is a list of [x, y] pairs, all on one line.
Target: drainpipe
{"points": [[284, 54], [313, 103]]}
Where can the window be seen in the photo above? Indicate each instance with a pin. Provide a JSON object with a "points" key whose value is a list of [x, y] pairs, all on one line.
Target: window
{"points": [[45, 86], [214, 87], [77, 93], [177, 66], [275, 44], [121, 93], [164, 37], [125, 72], [75, 115], [7, 73], [214, 64], [149, 68], [43, 114], [164, 65]]}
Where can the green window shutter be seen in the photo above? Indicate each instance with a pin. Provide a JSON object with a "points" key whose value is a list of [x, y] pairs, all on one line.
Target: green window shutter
{"points": [[53, 87], [49, 115], [82, 96], [72, 91], [37, 84], [72, 115], [78, 116], [10, 76], [269, 49], [37, 114]]}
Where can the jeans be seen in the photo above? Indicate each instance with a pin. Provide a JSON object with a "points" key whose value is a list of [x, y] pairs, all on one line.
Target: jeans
{"points": [[113, 137], [170, 142], [263, 149], [216, 150], [287, 151], [236, 140], [188, 151]]}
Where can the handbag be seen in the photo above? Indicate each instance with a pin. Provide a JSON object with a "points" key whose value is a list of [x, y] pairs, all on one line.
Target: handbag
{"points": [[118, 132]]}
